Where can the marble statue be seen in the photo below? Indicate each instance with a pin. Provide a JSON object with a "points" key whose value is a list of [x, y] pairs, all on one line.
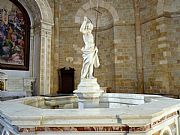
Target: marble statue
{"points": [[90, 57]]}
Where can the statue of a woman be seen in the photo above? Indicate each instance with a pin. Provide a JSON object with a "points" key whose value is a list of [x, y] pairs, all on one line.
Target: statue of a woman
{"points": [[90, 57]]}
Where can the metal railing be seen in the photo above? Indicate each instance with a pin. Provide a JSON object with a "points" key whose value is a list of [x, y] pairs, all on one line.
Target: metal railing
{"points": [[6, 128]]}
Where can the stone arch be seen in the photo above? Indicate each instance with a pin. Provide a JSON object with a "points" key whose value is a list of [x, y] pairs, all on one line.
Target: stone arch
{"points": [[41, 18], [38, 10], [81, 12]]}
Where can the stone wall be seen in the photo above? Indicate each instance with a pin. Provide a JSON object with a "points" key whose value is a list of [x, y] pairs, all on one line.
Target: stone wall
{"points": [[71, 42], [105, 73], [118, 46], [115, 41], [174, 52], [125, 59], [160, 40]]}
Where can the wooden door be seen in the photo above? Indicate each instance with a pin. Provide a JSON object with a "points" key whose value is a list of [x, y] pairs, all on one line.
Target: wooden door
{"points": [[66, 83]]}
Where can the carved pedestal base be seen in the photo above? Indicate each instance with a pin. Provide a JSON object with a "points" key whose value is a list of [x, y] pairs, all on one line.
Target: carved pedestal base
{"points": [[88, 89], [88, 93]]}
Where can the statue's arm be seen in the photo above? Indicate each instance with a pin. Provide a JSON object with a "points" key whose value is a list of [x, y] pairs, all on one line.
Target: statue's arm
{"points": [[83, 26]]}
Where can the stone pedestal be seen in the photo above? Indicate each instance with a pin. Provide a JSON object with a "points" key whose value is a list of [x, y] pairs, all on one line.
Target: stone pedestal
{"points": [[88, 89], [88, 93]]}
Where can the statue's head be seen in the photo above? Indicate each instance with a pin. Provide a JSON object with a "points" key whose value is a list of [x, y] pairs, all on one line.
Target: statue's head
{"points": [[89, 26]]}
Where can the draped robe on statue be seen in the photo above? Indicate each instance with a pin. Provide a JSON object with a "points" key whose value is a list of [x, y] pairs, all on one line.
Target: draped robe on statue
{"points": [[90, 57]]}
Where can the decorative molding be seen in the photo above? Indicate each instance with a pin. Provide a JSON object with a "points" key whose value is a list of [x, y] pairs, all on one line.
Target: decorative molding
{"points": [[100, 128], [166, 130]]}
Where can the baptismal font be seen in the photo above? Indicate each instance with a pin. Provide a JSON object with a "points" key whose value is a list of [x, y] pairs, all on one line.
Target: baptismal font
{"points": [[88, 90]]}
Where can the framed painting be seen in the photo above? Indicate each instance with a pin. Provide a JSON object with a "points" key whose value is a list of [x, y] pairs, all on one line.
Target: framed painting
{"points": [[14, 36]]}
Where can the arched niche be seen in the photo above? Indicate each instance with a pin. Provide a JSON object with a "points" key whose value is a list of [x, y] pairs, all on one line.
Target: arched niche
{"points": [[41, 20], [93, 4], [104, 38]]}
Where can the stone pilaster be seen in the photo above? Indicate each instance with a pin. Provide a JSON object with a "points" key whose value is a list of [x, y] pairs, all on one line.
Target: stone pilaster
{"points": [[139, 53], [31, 64], [55, 49], [42, 54]]}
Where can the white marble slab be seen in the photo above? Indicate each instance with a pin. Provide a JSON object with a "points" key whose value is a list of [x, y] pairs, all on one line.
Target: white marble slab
{"points": [[136, 116]]}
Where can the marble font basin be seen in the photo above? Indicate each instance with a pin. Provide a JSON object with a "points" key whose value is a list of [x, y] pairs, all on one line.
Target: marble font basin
{"points": [[121, 114]]}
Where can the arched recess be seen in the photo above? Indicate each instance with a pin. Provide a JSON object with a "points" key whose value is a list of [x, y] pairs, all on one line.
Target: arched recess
{"points": [[40, 42], [105, 37], [81, 12]]}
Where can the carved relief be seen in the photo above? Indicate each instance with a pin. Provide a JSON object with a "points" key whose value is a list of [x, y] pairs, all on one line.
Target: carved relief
{"points": [[166, 131]]}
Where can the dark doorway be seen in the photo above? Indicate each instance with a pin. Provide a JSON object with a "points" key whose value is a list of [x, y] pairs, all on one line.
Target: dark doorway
{"points": [[66, 80]]}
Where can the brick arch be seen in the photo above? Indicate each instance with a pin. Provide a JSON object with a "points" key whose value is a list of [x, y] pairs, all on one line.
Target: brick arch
{"points": [[81, 12]]}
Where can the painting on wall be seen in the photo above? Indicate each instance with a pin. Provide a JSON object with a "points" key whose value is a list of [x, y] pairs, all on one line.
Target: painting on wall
{"points": [[14, 37]]}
